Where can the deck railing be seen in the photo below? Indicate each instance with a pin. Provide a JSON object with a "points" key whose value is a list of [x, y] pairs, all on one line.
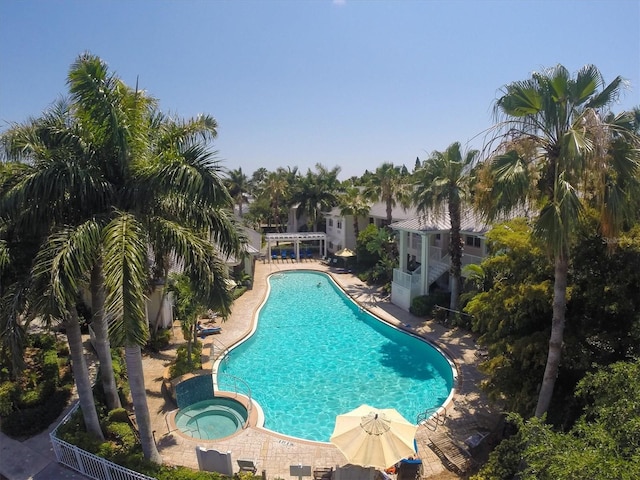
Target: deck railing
{"points": [[87, 463]]}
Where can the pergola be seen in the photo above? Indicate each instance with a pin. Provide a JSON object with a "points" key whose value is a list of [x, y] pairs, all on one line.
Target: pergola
{"points": [[296, 238]]}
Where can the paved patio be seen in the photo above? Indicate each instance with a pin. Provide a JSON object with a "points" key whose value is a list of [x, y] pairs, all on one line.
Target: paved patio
{"points": [[275, 453]]}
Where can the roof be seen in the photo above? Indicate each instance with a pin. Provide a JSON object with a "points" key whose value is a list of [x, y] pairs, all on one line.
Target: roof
{"points": [[470, 222]]}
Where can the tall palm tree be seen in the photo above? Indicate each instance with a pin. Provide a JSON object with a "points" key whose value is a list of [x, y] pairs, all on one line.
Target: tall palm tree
{"points": [[49, 183], [353, 202], [446, 178], [238, 185], [559, 149], [277, 189], [316, 192], [388, 185], [167, 197]]}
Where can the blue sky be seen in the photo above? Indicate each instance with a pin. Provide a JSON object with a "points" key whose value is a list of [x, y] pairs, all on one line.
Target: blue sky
{"points": [[352, 83]]}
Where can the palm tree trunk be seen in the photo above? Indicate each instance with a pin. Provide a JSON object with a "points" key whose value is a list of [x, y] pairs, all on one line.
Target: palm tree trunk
{"points": [[557, 334], [81, 376], [133, 358], [455, 251], [103, 347]]}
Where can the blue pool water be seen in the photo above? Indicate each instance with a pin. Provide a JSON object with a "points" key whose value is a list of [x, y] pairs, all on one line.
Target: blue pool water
{"points": [[316, 355]]}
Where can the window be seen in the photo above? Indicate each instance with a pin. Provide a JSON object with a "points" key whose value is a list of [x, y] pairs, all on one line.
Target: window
{"points": [[339, 224], [473, 241], [331, 222]]}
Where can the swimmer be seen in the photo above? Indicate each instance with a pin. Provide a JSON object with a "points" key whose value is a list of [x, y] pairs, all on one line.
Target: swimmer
{"points": [[319, 285]]}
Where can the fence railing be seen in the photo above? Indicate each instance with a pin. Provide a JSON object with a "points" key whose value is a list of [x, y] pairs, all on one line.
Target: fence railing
{"points": [[87, 463]]}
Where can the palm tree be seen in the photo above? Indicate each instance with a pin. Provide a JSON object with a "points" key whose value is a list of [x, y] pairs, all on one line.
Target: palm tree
{"points": [[388, 185], [168, 198], [558, 149], [316, 192], [445, 178], [353, 202], [49, 183], [238, 185], [276, 188]]}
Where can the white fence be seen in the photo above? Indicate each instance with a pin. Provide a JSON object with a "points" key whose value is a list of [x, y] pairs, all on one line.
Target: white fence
{"points": [[87, 463]]}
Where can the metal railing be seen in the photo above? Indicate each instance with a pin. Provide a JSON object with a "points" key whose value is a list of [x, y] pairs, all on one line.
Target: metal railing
{"points": [[87, 463], [235, 383]]}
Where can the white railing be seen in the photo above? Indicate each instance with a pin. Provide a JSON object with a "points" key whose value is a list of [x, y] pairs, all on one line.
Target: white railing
{"points": [[87, 463], [402, 278]]}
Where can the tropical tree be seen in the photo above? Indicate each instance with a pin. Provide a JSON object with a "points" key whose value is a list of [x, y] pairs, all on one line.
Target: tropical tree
{"points": [[238, 185], [49, 183], [277, 189], [316, 192], [353, 202], [446, 178], [388, 185], [558, 149], [169, 198]]}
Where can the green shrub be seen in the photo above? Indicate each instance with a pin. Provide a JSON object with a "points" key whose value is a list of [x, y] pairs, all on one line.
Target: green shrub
{"points": [[181, 365], [122, 434], [159, 340], [421, 306], [9, 394], [118, 415], [32, 420]]}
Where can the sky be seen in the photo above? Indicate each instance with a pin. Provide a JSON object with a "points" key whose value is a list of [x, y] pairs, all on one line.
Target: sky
{"points": [[349, 83]]}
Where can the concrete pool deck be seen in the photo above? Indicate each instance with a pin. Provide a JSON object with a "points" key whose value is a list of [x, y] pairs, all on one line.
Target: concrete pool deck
{"points": [[275, 453]]}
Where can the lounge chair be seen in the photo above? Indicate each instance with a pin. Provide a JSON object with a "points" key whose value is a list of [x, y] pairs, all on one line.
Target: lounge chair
{"points": [[453, 455], [409, 469], [308, 254], [204, 331], [292, 256], [274, 257], [283, 255], [247, 466]]}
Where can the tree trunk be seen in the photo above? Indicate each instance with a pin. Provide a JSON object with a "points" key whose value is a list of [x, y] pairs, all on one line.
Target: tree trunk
{"points": [[455, 251], [557, 334], [133, 357], [81, 375], [103, 347]]}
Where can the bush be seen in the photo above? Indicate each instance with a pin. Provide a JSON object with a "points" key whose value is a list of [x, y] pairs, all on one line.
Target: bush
{"points": [[29, 421], [181, 365], [424, 305], [9, 394], [159, 339], [122, 434]]}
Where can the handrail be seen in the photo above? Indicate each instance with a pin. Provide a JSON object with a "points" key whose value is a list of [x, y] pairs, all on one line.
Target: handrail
{"points": [[236, 382]]}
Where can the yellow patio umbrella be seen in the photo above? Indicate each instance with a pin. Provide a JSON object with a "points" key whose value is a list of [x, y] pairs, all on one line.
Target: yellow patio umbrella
{"points": [[345, 253], [374, 437]]}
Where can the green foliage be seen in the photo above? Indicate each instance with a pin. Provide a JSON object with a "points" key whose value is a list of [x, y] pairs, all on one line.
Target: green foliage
{"points": [[604, 443], [423, 306], [182, 364], [32, 420], [159, 339], [118, 415], [366, 258], [122, 434], [9, 394]]}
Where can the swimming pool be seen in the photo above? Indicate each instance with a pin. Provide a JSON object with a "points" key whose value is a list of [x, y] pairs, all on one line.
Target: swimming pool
{"points": [[316, 354]]}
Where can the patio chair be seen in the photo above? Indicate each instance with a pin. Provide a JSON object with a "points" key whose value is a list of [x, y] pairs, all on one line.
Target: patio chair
{"points": [[292, 256], [308, 254], [283, 255], [409, 469], [451, 453], [274, 257], [247, 466]]}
